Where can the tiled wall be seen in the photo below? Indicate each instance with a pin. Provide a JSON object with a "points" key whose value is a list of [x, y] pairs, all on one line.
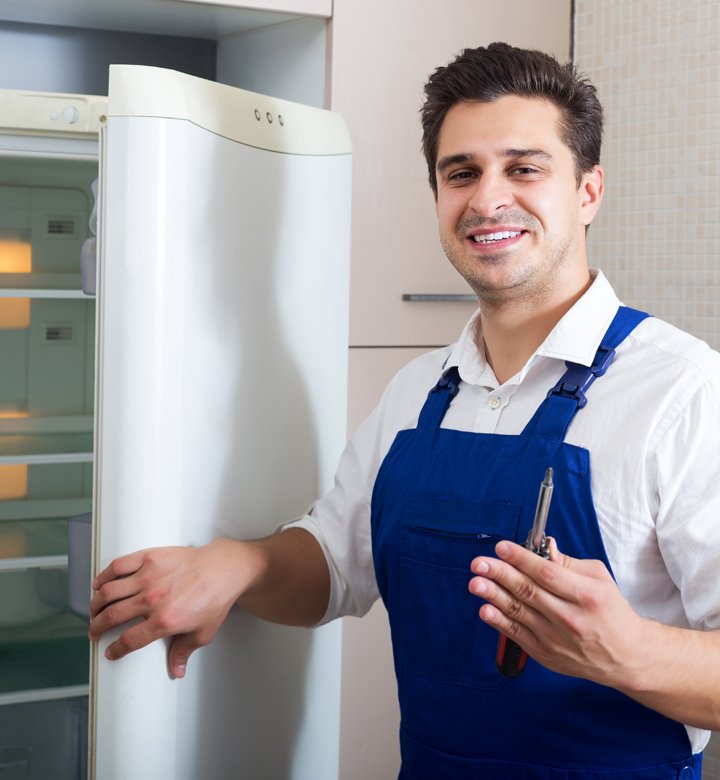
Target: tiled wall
{"points": [[656, 64]]}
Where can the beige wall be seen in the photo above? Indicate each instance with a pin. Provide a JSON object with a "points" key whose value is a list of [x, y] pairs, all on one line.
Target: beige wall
{"points": [[656, 65]]}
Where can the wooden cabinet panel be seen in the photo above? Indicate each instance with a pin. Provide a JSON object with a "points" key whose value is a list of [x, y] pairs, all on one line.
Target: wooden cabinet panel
{"points": [[381, 56], [370, 715], [369, 370]]}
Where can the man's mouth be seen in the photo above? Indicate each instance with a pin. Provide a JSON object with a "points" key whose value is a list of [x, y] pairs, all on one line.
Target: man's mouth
{"points": [[488, 238]]}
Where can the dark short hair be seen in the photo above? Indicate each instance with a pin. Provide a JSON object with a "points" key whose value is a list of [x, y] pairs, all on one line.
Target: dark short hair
{"points": [[487, 73]]}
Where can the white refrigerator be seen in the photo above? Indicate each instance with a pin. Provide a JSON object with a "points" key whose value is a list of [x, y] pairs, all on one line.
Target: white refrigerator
{"points": [[219, 409]]}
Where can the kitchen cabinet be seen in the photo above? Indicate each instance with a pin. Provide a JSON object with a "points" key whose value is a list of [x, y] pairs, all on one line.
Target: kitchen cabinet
{"points": [[276, 47], [382, 54]]}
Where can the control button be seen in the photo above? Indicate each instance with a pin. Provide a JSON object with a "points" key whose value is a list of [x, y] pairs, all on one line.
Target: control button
{"points": [[258, 116], [281, 120], [269, 117], [71, 115], [494, 402], [54, 115]]}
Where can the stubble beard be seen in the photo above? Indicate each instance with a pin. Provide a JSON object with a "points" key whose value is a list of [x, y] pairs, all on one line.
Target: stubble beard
{"points": [[525, 285]]}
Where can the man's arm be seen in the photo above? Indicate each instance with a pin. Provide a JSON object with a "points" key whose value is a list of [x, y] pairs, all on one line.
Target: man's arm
{"points": [[186, 592], [570, 616]]}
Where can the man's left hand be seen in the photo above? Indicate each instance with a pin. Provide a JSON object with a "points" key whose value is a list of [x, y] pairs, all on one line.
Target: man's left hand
{"points": [[567, 614]]}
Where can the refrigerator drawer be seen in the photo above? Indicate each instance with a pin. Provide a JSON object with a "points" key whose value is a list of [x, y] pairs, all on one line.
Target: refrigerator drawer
{"points": [[40, 740]]}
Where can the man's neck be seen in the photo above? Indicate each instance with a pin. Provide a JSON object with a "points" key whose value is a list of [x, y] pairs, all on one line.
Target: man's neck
{"points": [[514, 331]]}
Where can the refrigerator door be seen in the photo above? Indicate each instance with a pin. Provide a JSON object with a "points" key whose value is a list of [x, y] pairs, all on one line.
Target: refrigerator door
{"points": [[221, 392]]}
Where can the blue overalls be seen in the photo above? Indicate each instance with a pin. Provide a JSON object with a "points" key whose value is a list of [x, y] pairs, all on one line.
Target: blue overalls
{"points": [[443, 497]]}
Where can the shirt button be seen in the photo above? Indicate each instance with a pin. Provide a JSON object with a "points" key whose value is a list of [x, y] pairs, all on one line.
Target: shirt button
{"points": [[494, 402]]}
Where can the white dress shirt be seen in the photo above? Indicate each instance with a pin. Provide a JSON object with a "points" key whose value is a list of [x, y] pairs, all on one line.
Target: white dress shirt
{"points": [[651, 425]]}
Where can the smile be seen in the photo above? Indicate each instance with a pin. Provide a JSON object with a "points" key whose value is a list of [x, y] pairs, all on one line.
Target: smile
{"points": [[488, 238]]}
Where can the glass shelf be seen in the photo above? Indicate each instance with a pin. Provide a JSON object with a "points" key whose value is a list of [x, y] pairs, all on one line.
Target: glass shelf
{"points": [[29, 543], [31, 285], [15, 424], [48, 664], [43, 293], [46, 448], [42, 509]]}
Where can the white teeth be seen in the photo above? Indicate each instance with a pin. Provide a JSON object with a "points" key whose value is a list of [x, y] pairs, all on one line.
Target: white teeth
{"points": [[487, 237]]}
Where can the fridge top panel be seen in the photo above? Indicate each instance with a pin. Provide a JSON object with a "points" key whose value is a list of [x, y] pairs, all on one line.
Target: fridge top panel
{"points": [[247, 117], [51, 114]]}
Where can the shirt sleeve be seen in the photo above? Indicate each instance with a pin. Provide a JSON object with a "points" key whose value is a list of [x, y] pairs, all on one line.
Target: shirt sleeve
{"points": [[685, 466], [340, 523], [340, 520]]}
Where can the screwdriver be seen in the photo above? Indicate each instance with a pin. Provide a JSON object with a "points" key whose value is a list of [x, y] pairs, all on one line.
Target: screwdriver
{"points": [[511, 658]]}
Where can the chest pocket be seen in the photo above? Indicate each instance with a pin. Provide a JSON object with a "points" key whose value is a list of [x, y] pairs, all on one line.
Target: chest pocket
{"points": [[442, 637]]}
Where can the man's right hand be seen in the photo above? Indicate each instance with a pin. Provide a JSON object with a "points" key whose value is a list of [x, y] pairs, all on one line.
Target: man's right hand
{"points": [[183, 592], [187, 592]]}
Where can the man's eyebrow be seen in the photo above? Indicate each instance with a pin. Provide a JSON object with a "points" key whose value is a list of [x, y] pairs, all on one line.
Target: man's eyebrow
{"points": [[511, 153], [452, 159], [536, 153]]}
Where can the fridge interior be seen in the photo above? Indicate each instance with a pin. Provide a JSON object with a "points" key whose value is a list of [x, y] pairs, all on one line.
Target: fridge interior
{"points": [[47, 325], [47, 346]]}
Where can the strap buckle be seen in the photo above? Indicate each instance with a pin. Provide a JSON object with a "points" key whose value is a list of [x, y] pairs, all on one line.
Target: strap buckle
{"points": [[578, 378], [449, 381]]}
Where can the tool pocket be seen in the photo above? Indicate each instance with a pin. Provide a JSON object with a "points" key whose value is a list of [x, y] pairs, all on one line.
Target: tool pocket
{"points": [[441, 635]]}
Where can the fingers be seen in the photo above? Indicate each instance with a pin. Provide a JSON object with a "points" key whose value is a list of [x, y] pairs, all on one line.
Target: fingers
{"points": [[530, 576], [112, 591], [131, 639], [180, 650], [120, 567], [507, 610]]}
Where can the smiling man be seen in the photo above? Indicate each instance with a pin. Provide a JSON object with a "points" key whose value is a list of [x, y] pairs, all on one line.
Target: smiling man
{"points": [[436, 491]]}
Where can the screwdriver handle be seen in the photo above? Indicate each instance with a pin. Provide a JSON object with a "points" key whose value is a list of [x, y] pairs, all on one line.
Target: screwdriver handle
{"points": [[511, 658]]}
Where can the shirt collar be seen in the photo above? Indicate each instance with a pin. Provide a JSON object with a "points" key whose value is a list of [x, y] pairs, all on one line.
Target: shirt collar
{"points": [[575, 338]]}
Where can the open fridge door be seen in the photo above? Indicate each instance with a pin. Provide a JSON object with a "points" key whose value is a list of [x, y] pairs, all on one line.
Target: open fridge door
{"points": [[224, 238]]}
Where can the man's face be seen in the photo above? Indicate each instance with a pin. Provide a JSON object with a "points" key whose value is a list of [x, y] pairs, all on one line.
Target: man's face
{"points": [[510, 213]]}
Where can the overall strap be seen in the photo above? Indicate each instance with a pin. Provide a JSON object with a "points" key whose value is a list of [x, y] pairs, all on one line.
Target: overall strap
{"points": [[553, 417], [439, 399]]}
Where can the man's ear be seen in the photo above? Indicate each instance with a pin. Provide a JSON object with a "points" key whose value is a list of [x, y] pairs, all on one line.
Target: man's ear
{"points": [[591, 192]]}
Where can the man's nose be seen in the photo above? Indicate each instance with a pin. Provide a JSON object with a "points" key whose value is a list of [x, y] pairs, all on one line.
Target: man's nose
{"points": [[491, 194]]}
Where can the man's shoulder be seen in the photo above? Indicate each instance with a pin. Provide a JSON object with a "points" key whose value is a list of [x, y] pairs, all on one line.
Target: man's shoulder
{"points": [[664, 367], [422, 371], [667, 345]]}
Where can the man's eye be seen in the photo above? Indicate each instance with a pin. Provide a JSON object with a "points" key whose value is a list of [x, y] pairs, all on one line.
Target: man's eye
{"points": [[460, 175], [524, 170]]}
